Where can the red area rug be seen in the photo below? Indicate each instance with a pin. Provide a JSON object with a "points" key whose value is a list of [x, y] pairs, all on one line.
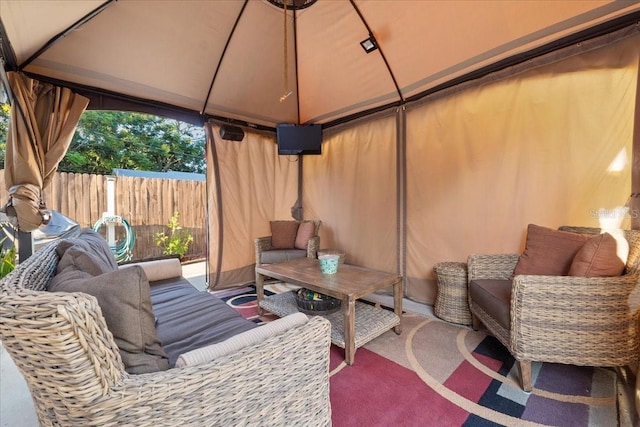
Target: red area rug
{"points": [[439, 374]]}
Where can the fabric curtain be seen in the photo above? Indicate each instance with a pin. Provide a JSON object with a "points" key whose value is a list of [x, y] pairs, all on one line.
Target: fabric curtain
{"points": [[43, 120], [248, 185], [352, 188], [549, 146]]}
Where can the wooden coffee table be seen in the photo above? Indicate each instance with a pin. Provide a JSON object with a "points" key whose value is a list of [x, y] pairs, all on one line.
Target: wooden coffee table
{"points": [[351, 328]]}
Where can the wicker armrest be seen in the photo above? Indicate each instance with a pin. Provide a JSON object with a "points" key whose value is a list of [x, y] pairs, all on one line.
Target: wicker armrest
{"points": [[491, 266], [313, 246], [281, 381], [263, 243], [565, 318]]}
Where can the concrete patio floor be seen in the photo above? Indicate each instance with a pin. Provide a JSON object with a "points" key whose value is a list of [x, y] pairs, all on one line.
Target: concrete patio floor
{"points": [[16, 406]]}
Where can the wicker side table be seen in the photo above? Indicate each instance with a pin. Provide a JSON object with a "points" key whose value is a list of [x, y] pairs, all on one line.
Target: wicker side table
{"points": [[452, 303]]}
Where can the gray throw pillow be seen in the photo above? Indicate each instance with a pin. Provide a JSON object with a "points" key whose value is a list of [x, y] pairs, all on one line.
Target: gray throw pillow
{"points": [[124, 298], [94, 245]]}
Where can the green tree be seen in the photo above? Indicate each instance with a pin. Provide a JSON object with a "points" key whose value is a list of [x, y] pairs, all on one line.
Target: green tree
{"points": [[105, 140]]}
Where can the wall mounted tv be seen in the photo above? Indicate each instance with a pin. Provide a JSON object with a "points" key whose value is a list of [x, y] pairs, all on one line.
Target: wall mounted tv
{"points": [[299, 139]]}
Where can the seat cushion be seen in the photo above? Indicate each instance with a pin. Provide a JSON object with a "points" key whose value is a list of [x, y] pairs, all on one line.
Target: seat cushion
{"points": [[240, 341], [494, 297], [187, 319], [281, 255]]}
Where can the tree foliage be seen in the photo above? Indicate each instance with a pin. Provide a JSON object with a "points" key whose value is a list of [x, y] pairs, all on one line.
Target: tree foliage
{"points": [[105, 140]]}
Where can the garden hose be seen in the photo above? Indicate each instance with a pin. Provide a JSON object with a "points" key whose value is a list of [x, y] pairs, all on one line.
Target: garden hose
{"points": [[123, 249]]}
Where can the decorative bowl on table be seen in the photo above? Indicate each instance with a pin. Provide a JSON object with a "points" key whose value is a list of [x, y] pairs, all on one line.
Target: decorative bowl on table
{"points": [[328, 264], [314, 303]]}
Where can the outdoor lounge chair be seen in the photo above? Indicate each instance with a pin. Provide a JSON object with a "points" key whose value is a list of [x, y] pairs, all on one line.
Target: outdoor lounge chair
{"points": [[559, 319], [266, 253]]}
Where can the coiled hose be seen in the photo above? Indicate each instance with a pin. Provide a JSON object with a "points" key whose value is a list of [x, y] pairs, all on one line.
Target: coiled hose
{"points": [[123, 249]]}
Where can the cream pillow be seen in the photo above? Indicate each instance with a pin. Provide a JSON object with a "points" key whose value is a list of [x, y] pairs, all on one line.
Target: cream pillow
{"points": [[244, 339], [159, 269]]}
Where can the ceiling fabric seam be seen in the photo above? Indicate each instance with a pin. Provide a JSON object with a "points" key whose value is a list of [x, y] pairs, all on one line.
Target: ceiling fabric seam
{"points": [[530, 64], [224, 51], [61, 35], [384, 58]]}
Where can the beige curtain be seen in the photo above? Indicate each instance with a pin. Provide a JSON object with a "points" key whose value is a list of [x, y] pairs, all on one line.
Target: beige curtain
{"points": [[549, 146], [352, 188], [248, 185], [43, 120]]}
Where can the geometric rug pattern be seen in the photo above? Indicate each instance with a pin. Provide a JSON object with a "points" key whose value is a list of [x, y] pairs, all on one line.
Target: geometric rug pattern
{"points": [[441, 374]]}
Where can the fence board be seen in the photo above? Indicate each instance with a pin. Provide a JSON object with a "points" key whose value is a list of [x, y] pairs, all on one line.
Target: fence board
{"points": [[146, 203]]}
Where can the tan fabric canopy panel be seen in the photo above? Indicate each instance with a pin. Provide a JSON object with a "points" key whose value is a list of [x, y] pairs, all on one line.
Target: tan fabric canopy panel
{"points": [[352, 189], [248, 185], [551, 145]]}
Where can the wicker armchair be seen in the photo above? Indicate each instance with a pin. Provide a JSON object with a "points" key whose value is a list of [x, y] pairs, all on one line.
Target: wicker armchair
{"points": [[61, 344], [263, 244], [565, 319]]}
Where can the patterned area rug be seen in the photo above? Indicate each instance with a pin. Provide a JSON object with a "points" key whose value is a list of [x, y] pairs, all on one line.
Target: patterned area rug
{"points": [[440, 374]]}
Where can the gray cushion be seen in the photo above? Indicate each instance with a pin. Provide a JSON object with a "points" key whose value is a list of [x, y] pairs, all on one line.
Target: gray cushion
{"points": [[494, 297], [124, 298], [280, 255], [96, 256], [189, 319]]}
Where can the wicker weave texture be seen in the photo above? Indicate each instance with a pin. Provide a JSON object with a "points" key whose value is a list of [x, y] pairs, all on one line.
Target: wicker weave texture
{"points": [[370, 321], [262, 244], [60, 343], [452, 302], [567, 319]]}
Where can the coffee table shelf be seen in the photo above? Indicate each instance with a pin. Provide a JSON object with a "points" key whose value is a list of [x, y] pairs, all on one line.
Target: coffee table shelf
{"points": [[370, 321]]}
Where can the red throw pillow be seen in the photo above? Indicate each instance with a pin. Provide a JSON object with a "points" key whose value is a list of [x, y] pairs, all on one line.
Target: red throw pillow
{"points": [[602, 256], [306, 230], [283, 234], [549, 252]]}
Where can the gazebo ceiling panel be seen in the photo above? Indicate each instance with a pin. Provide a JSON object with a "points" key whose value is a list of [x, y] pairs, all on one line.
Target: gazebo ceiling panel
{"points": [[227, 57]]}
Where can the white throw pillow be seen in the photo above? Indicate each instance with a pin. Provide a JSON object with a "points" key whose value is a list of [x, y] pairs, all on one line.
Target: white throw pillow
{"points": [[244, 339], [159, 269]]}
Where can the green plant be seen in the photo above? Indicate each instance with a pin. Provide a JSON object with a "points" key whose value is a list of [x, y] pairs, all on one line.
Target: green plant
{"points": [[7, 259], [177, 241]]}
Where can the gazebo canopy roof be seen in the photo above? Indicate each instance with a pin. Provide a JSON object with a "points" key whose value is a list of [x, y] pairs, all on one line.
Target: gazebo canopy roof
{"points": [[229, 59]]}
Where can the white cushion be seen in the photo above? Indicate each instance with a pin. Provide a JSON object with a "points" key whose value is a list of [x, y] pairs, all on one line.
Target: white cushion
{"points": [[159, 269], [244, 339]]}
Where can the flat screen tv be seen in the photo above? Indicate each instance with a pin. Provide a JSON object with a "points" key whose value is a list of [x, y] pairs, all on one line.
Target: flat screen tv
{"points": [[299, 139]]}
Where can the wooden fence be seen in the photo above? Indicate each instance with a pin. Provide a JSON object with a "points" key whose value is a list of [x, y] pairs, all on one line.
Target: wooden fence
{"points": [[146, 203]]}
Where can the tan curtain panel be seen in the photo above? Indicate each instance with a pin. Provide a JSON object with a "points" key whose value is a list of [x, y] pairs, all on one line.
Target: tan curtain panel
{"points": [[248, 185], [549, 146], [43, 120], [351, 187]]}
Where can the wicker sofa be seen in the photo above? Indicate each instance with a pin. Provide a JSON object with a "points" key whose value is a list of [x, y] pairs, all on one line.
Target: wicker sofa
{"points": [[61, 344], [584, 321]]}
